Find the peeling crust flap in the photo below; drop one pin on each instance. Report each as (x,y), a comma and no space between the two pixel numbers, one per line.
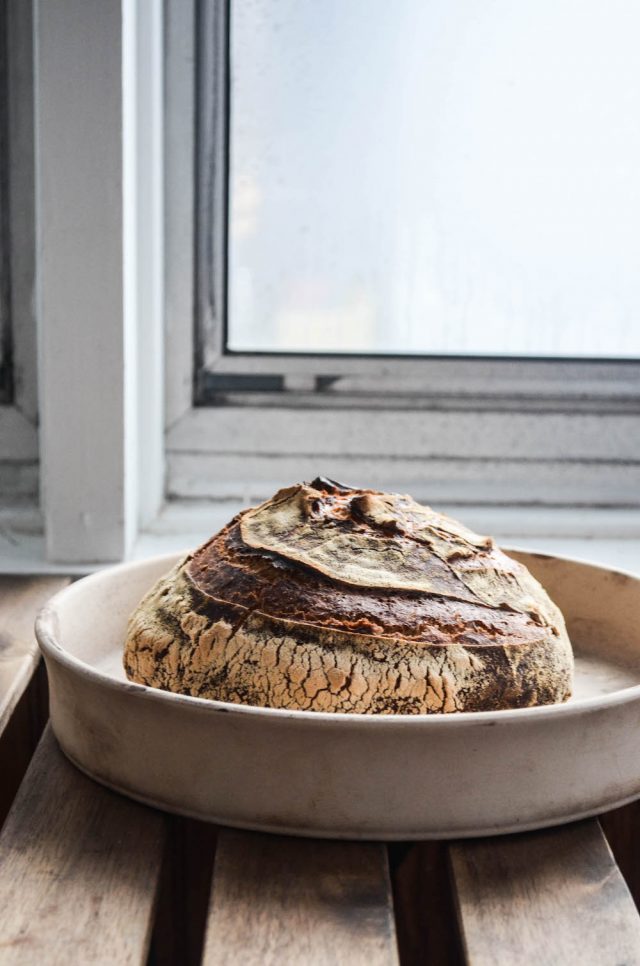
(387,541)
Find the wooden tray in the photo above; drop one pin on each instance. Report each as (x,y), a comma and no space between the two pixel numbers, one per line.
(354,776)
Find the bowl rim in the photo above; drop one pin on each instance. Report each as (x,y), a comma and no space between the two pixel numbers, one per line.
(47,634)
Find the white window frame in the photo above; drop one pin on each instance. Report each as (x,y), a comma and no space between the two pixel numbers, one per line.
(18,418)
(124,450)
(99,89)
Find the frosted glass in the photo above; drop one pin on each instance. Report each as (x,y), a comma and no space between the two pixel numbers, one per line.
(435,177)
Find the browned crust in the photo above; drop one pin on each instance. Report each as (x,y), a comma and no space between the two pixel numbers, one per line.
(224,569)
(246,624)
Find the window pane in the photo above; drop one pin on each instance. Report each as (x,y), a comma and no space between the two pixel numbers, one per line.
(435,177)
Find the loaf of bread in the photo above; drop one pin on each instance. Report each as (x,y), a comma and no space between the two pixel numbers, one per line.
(328,598)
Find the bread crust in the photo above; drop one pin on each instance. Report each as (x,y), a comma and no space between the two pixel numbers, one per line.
(255,617)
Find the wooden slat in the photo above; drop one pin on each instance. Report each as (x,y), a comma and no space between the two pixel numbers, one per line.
(79,867)
(291,901)
(545,898)
(20,600)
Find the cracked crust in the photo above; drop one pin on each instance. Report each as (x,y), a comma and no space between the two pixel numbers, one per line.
(332,599)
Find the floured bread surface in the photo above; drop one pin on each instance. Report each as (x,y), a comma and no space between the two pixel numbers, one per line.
(330,598)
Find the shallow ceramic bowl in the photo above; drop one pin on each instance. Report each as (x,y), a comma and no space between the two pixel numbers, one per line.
(351,775)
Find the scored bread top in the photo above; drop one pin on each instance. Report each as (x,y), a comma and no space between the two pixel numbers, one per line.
(374,564)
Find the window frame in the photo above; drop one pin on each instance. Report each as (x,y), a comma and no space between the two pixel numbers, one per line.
(99,112)
(19,406)
(6,334)
(211,417)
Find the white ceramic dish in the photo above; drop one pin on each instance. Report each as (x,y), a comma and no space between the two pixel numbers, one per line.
(354,776)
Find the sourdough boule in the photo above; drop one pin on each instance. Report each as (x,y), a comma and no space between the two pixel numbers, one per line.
(329,598)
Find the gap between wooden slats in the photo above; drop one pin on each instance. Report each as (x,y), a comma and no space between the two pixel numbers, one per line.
(183,900)
(23,682)
(622,831)
(20,600)
(283,901)
(544,898)
(79,868)
(424,909)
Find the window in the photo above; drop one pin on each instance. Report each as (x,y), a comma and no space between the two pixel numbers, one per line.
(477,343)
(156,250)
(18,403)
(6,373)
